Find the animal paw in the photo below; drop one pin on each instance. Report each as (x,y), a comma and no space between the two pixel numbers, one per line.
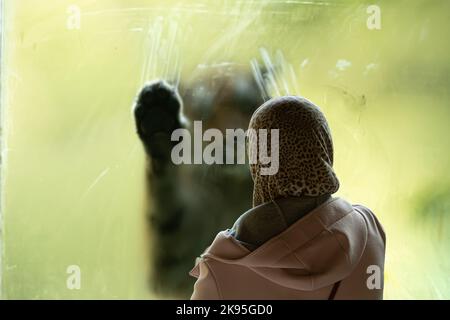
(158,112)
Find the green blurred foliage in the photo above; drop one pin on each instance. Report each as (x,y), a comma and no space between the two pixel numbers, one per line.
(74,170)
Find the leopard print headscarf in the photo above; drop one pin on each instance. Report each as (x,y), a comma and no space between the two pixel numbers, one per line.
(305,151)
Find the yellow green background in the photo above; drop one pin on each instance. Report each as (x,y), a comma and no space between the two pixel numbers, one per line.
(73,168)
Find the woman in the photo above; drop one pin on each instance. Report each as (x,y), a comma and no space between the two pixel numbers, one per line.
(297,242)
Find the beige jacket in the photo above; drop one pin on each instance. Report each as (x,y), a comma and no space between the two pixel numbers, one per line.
(334,252)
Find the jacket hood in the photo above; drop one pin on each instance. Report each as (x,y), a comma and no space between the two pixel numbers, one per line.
(318,250)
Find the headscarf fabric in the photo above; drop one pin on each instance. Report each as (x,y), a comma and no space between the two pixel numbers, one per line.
(305,151)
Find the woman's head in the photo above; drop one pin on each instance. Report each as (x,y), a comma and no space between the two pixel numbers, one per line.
(305,150)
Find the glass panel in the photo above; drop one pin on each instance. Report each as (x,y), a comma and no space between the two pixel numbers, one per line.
(73,169)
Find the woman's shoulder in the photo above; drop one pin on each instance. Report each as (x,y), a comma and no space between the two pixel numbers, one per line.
(371,219)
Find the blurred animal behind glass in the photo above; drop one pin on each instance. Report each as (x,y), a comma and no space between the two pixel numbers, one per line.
(189,204)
